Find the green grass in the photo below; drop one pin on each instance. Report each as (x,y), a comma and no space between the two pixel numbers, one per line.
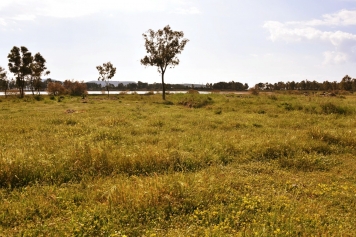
(194,165)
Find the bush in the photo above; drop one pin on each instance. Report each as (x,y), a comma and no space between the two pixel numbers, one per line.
(254,91)
(196,101)
(55,88)
(75,88)
(272,97)
(330,108)
(38,97)
(192,91)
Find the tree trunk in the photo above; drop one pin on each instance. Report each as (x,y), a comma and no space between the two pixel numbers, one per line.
(33,90)
(21,85)
(163,88)
(107,87)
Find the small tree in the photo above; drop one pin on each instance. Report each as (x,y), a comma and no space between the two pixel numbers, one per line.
(4,82)
(162,47)
(75,88)
(55,88)
(106,72)
(20,64)
(38,68)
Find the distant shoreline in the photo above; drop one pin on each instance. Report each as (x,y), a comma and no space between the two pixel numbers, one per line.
(138,92)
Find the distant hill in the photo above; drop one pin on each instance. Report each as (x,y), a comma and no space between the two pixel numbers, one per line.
(115,83)
(195,85)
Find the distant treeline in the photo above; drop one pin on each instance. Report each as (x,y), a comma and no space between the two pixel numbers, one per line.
(347,83)
(236,86)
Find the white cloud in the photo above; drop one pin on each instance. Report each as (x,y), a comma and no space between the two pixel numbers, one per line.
(188,11)
(28,10)
(332,57)
(78,8)
(341,18)
(24,17)
(343,42)
(4,3)
(2,22)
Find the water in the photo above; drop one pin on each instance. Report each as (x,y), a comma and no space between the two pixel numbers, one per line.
(117,92)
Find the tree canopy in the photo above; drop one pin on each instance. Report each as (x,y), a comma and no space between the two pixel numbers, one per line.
(38,68)
(106,72)
(20,64)
(162,47)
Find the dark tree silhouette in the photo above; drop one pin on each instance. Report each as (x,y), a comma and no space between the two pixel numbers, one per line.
(20,65)
(38,69)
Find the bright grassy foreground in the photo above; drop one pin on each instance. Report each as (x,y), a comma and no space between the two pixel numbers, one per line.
(198,165)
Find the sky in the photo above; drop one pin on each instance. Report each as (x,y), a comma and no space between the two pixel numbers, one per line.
(247,41)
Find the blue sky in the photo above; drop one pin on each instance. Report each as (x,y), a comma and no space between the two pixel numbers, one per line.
(248,41)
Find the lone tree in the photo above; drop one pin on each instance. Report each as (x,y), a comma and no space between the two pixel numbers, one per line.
(106,72)
(20,60)
(162,47)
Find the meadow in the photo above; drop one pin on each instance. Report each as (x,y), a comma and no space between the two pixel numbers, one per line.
(195,165)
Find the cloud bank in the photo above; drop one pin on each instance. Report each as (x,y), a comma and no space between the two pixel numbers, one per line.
(17,10)
(344,43)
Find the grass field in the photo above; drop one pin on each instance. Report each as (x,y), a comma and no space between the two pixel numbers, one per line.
(195,165)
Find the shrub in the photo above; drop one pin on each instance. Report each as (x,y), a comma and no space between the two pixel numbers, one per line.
(38,97)
(330,108)
(196,101)
(254,91)
(75,88)
(55,88)
(272,97)
(192,91)
(150,93)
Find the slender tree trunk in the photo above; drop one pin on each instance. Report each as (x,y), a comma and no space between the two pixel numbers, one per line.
(33,90)
(22,85)
(21,90)
(163,87)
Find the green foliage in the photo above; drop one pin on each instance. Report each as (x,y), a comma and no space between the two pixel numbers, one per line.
(106,72)
(331,108)
(163,47)
(38,97)
(193,101)
(20,60)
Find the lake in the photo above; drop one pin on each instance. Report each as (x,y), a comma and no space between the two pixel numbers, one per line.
(118,92)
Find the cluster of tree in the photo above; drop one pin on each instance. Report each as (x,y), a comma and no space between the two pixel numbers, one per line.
(346,83)
(162,48)
(70,87)
(233,86)
(27,69)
